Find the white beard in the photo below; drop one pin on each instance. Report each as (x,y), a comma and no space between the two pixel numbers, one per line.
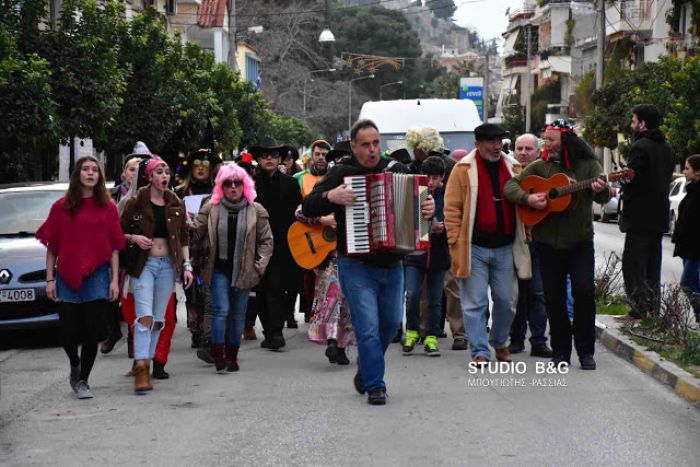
(489,158)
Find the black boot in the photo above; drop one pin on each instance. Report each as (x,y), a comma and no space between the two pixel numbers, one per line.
(196,340)
(159,370)
(332,351)
(342,358)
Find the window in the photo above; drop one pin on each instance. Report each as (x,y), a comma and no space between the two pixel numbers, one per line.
(251,68)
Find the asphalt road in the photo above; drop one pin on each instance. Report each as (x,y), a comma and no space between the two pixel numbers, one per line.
(608,238)
(293,408)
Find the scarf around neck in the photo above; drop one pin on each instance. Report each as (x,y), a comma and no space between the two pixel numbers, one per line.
(225,207)
(487,204)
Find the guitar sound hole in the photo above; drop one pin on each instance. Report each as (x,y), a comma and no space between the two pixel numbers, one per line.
(553,193)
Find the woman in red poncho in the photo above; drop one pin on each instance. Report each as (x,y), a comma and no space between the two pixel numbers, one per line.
(83,236)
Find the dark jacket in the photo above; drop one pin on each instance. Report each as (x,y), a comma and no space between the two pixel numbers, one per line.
(439,259)
(280,196)
(137,218)
(315,205)
(645,197)
(686,236)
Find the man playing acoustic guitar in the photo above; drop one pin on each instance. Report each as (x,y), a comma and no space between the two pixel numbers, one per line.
(565,240)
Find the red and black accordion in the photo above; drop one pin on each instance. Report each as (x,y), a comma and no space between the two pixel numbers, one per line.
(386,214)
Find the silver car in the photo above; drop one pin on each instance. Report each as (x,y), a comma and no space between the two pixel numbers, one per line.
(23,301)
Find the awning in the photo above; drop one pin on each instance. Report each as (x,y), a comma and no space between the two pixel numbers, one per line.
(555,64)
(509,45)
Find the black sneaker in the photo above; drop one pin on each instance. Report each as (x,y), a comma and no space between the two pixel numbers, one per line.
(376,396)
(541,350)
(332,351)
(342,358)
(275,342)
(204,354)
(357,381)
(516,346)
(587,362)
(292,324)
(557,359)
(459,344)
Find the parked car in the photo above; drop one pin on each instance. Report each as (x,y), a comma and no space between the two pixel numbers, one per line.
(23,301)
(675,196)
(611,209)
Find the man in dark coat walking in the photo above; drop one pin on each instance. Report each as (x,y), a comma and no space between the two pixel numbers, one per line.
(280,195)
(644,217)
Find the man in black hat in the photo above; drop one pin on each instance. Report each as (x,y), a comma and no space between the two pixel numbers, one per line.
(280,195)
(339,151)
(487,242)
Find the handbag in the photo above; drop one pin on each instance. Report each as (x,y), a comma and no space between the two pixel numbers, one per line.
(129,255)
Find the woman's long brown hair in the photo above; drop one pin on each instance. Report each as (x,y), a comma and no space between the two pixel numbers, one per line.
(74,195)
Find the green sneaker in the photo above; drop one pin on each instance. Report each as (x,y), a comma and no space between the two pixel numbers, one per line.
(412,338)
(431,347)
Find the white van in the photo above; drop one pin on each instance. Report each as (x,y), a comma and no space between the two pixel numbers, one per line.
(455,119)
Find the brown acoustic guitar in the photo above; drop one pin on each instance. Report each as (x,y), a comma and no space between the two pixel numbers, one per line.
(310,244)
(559,189)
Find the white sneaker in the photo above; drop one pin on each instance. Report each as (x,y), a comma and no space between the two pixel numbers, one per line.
(82,389)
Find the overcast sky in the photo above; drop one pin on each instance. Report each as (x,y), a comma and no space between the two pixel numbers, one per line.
(486,16)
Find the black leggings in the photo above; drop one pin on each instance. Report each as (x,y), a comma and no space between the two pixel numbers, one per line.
(82,324)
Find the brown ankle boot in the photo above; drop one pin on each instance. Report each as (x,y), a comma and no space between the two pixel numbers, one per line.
(232,357)
(142,377)
(217,351)
(249,334)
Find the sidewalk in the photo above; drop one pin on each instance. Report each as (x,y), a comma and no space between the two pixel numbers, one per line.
(683,383)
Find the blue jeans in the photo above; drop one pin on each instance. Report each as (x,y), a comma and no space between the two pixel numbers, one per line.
(152,291)
(435,283)
(375,298)
(490,268)
(690,281)
(530,309)
(227,302)
(94,287)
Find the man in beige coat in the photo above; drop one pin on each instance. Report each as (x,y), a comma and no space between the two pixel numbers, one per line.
(487,242)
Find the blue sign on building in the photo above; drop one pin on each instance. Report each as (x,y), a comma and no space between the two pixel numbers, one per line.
(474,94)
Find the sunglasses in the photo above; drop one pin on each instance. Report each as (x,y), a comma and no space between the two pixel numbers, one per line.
(236,183)
(198,162)
(270,155)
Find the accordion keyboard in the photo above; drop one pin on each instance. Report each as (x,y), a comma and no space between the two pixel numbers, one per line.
(357,217)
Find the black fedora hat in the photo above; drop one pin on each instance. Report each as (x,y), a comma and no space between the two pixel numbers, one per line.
(402,155)
(341,148)
(267,144)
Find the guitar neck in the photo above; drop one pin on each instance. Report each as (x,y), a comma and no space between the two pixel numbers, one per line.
(580,186)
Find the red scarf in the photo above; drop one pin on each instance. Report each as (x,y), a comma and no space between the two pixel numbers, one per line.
(486,218)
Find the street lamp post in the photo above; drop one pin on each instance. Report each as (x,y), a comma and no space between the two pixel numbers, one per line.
(387,84)
(350,98)
(307,79)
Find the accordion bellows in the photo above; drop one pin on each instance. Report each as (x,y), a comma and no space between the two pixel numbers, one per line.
(386,214)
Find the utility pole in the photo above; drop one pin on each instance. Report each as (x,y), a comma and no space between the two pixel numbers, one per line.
(232,62)
(486,89)
(528,81)
(600,58)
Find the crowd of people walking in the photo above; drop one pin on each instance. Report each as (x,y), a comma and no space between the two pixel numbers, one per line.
(217,238)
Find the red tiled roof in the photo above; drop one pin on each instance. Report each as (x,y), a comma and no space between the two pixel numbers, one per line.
(211,13)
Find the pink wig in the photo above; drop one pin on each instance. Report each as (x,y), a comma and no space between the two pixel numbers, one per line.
(233,172)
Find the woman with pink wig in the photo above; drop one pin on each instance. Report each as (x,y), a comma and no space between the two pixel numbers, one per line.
(235,233)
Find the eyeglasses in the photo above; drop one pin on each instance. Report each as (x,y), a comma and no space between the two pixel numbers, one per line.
(198,162)
(270,155)
(236,183)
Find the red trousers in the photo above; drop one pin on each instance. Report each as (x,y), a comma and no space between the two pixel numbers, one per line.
(166,335)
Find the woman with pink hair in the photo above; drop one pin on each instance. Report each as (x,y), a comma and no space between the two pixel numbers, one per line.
(235,234)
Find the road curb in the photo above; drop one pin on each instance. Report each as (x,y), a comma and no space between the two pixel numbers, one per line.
(683,383)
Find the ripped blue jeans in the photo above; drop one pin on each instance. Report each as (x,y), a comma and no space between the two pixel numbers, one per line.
(152,291)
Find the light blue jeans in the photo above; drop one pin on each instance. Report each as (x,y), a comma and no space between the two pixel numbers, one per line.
(228,303)
(490,268)
(152,291)
(375,297)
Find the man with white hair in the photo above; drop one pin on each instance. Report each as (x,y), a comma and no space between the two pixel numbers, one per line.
(531,305)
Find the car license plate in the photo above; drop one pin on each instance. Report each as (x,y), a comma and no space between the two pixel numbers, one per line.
(17,295)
